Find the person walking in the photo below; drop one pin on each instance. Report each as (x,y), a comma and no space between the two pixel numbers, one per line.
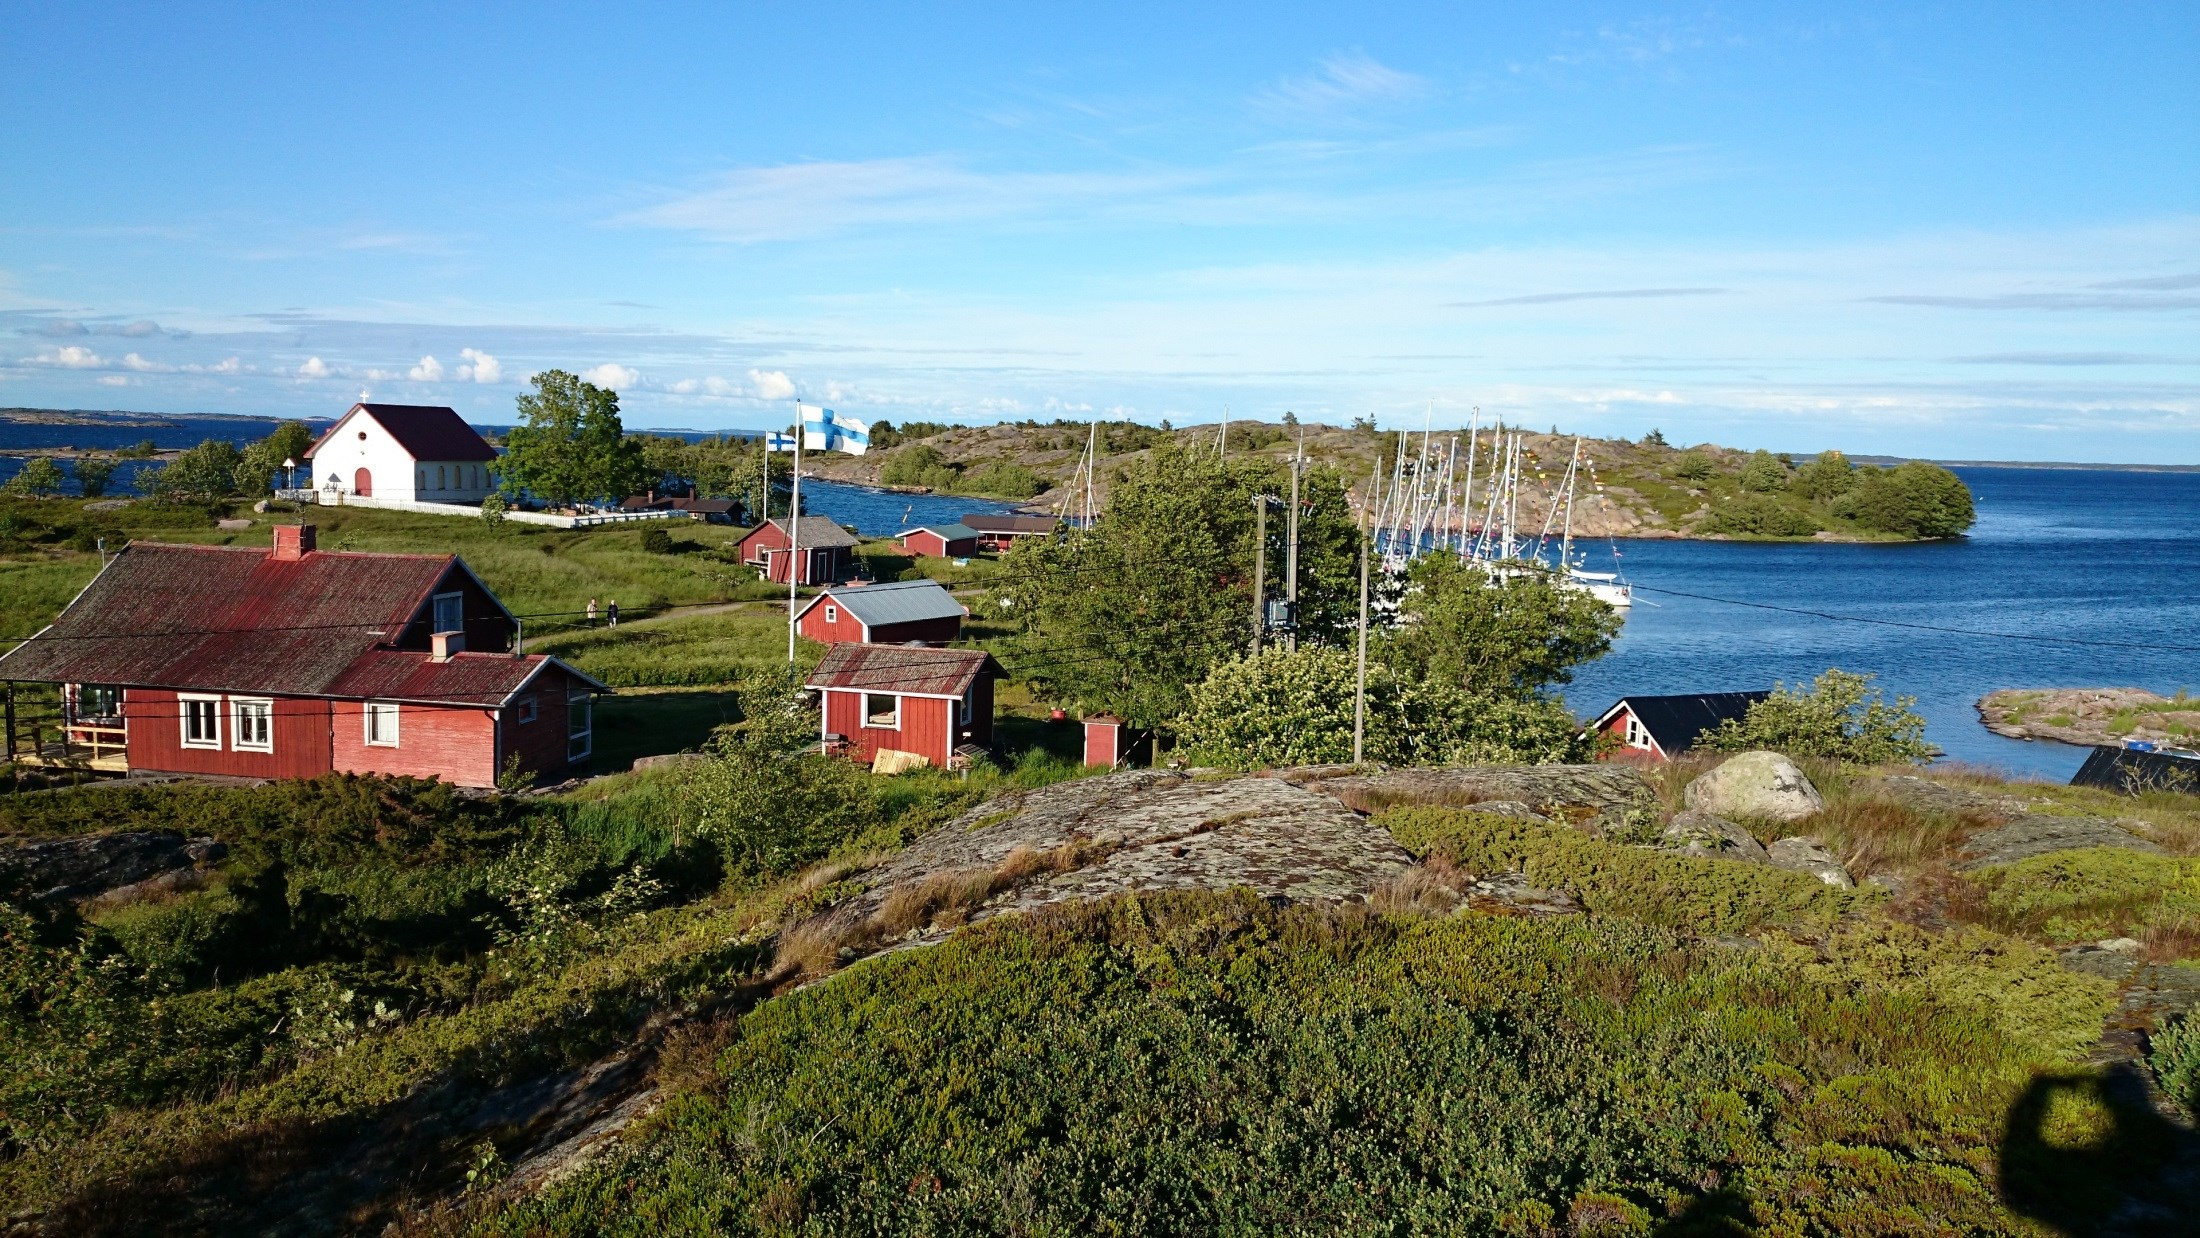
(612,612)
(591,612)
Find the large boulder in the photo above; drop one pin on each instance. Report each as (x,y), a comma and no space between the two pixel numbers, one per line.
(102,866)
(1701,834)
(1755,786)
(1808,855)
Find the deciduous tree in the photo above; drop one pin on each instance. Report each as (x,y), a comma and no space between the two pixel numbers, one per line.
(1509,636)
(570,445)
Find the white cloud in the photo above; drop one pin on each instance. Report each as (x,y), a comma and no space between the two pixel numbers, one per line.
(480,366)
(70,357)
(1347,80)
(611,376)
(227,365)
(314,368)
(771,385)
(114,380)
(135,362)
(429,370)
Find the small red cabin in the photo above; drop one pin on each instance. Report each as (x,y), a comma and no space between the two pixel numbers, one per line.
(935,703)
(826,551)
(943,541)
(1003,532)
(895,613)
(291,662)
(1651,729)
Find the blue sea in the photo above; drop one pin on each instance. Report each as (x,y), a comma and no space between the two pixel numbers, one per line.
(2090,577)
(2111,558)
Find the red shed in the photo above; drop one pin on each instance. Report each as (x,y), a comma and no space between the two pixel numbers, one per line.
(1652,729)
(291,662)
(1003,532)
(826,550)
(944,541)
(897,698)
(895,613)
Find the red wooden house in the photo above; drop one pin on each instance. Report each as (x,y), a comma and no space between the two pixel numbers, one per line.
(291,662)
(1651,729)
(935,703)
(944,541)
(896,613)
(824,547)
(1003,532)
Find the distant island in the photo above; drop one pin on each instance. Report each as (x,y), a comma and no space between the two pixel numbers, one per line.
(89,417)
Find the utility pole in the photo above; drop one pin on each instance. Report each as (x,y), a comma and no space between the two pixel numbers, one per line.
(1359,689)
(1260,569)
(1291,551)
(794,530)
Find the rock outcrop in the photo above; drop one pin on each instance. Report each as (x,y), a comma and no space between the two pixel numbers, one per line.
(1599,798)
(107,867)
(1701,834)
(1804,854)
(2084,715)
(2039,833)
(1755,786)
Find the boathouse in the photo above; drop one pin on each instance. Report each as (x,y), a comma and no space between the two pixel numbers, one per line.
(1002,532)
(827,551)
(944,541)
(1659,728)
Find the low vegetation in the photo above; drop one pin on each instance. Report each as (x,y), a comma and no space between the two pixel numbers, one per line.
(1840,717)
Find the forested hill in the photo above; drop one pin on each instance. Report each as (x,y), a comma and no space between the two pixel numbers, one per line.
(1649,488)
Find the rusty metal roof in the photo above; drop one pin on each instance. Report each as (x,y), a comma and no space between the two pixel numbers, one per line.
(229,619)
(428,432)
(486,679)
(902,668)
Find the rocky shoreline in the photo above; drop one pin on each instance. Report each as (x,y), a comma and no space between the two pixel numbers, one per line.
(2091,717)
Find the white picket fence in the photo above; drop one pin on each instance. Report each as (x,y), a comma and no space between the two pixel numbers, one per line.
(338,498)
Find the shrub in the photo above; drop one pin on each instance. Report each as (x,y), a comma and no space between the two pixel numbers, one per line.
(1914,499)
(1826,477)
(2174,1056)
(1201,1063)
(1001,479)
(1693,465)
(39,478)
(205,472)
(1841,717)
(494,510)
(655,541)
(1757,515)
(1763,473)
(2092,893)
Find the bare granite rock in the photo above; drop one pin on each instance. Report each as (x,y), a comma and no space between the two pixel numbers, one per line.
(1702,834)
(1808,855)
(1599,798)
(1925,795)
(2039,833)
(107,867)
(1755,786)
(2083,715)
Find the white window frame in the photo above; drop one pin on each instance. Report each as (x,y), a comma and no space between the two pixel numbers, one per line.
(237,707)
(435,611)
(368,731)
(893,723)
(832,613)
(1638,735)
(184,702)
(523,709)
(580,740)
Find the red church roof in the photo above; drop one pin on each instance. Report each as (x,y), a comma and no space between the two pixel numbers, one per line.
(426,432)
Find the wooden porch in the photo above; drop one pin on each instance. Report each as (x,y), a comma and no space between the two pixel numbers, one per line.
(50,734)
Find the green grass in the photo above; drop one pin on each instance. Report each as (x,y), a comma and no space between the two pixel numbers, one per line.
(1202,1063)
(642,722)
(2067,897)
(678,650)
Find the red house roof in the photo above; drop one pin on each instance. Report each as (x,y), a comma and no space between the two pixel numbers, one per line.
(239,619)
(425,431)
(902,668)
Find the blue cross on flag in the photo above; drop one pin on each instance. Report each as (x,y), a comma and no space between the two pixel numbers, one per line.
(825,430)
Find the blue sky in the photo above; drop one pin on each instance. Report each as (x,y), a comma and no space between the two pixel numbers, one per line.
(1955,231)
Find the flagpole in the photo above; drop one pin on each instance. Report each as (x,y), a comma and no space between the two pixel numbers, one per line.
(794,530)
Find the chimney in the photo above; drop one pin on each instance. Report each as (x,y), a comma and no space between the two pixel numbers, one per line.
(293,542)
(445,644)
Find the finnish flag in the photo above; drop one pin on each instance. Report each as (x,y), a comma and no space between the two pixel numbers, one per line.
(775,441)
(825,430)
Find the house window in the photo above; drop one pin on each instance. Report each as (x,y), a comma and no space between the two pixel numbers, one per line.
(442,479)
(202,721)
(94,700)
(251,724)
(423,479)
(580,709)
(832,614)
(381,724)
(450,612)
(882,710)
(966,705)
(1638,735)
(523,710)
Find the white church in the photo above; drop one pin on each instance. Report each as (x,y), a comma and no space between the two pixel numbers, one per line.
(419,453)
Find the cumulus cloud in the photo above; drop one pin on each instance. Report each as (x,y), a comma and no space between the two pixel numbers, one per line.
(139,329)
(70,357)
(771,385)
(429,370)
(314,368)
(114,380)
(611,376)
(135,362)
(480,366)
